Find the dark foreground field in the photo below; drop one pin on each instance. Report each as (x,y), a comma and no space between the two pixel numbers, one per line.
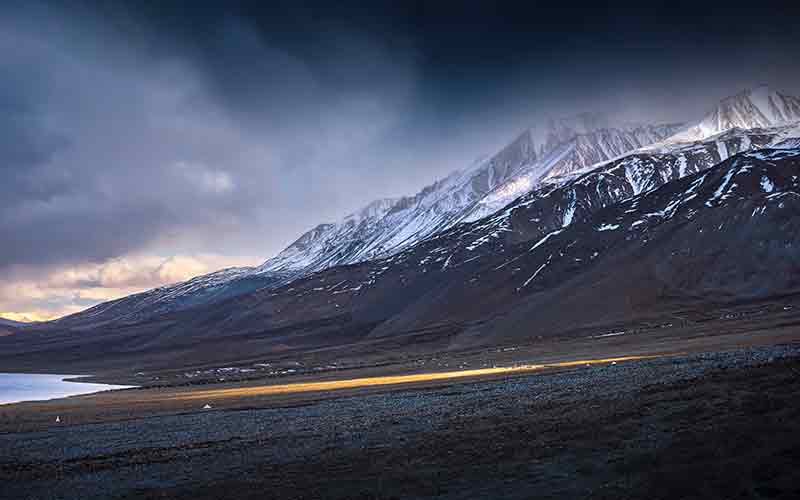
(722,425)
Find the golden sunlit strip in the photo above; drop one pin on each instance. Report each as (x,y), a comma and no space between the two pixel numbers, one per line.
(265,390)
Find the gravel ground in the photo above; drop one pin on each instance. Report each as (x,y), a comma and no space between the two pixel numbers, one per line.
(571,433)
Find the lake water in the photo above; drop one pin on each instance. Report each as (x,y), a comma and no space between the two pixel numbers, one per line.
(16,387)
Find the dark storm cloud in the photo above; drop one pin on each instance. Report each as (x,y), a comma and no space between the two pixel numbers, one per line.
(117,133)
(233,127)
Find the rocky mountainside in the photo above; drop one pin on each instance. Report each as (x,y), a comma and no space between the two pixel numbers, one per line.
(728,233)
(387,226)
(760,107)
(513,251)
(575,197)
(541,158)
(392,225)
(721,236)
(197,291)
(564,154)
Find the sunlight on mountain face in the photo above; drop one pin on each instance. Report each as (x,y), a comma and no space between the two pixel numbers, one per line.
(510,190)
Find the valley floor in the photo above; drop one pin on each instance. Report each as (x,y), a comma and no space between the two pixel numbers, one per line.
(722,424)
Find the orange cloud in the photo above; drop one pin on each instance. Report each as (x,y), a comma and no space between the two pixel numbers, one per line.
(69,290)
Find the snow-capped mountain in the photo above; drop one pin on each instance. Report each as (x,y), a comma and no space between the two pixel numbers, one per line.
(388,226)
(328,244)
(760,107)
(642,240)
(576,195)
(696,243)
(565,156)
(623,162)
(729,231)
(196,291)
(530,220)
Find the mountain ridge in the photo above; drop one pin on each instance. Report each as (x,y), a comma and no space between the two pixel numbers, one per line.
(550,155)
(758,107)
(705,241)
(11,322)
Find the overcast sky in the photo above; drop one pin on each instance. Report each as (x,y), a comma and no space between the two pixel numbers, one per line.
(146,142)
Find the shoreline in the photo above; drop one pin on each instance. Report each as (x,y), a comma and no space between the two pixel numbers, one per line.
(562,433)
(48,387)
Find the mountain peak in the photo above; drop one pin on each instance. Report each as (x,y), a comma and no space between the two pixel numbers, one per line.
(555,131)
(761,99)
(756,107)
(580,123)
(374,210)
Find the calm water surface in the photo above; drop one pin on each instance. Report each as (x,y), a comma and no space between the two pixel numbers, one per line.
(16,387)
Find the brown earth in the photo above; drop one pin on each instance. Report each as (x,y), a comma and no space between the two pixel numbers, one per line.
(711,417)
